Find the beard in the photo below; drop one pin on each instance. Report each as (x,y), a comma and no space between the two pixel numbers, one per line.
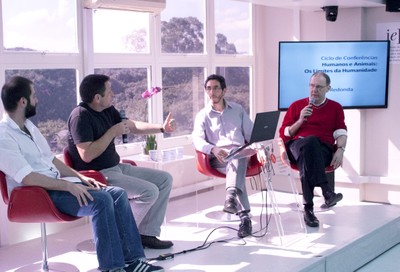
(30,110)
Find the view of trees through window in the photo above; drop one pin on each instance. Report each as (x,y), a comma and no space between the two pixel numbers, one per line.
(56,93)
(182,31)
(183,96)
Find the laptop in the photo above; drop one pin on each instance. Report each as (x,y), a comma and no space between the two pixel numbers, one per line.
(263,130)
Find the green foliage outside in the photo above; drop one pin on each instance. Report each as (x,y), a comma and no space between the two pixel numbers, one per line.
(182,92)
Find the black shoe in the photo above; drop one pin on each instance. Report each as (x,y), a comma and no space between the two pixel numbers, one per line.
(245,228)
(333,199)
(141,265)
(231,205)
(154,242)
(310,219)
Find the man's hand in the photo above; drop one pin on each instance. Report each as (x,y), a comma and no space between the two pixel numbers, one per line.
(81,192)
(169,124)
(121,128)
(306,112)
(91,183)
(337,159)
(219,153)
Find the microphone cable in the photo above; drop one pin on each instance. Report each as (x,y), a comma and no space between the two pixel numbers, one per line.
(263,230)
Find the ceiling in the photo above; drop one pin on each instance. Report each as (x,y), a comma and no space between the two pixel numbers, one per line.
(317,4)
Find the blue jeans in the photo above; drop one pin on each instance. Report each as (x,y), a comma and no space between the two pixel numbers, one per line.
(115,232)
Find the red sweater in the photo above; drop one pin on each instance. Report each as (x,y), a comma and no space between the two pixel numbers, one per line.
(323,121)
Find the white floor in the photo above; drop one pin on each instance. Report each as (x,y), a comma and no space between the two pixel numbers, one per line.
(351,234)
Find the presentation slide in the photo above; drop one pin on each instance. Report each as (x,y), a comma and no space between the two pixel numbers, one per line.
(358,71)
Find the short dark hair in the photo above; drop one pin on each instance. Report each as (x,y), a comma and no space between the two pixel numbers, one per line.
(319,73)
(12,91)
(218,78)
(92,85)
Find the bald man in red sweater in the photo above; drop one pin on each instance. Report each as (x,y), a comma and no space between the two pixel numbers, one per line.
(315,136)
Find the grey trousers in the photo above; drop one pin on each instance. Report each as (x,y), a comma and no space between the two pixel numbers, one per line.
(148,192)
(235,171)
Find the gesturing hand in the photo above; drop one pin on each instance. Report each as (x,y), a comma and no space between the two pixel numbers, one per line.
(169,124)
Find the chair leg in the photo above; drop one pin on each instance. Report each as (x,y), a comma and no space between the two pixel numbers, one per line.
(45,266)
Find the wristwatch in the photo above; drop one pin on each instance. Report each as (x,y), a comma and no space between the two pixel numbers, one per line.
(342,148)
(162,130)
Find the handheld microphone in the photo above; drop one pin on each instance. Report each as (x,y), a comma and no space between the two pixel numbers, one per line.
(123,117)
(310,103)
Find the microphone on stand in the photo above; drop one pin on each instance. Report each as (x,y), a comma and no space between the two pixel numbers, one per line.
(123,117)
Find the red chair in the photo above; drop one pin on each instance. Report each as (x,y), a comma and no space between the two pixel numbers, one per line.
(32,204)
(254,167)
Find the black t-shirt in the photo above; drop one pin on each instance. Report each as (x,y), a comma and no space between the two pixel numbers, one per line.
(88,125)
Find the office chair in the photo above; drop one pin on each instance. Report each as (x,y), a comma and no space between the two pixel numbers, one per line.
(254,168)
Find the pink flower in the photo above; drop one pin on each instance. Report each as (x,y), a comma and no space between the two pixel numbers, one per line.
(147,94)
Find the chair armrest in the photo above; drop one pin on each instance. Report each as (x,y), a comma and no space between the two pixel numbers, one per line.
(95,175)
(129,162)
(204,167)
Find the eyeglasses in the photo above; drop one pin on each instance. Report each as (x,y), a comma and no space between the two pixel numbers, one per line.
(318,87)
(215,88)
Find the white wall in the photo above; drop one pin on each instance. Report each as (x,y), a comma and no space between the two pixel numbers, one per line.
(373,152)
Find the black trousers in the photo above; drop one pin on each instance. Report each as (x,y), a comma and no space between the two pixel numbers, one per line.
(311,157)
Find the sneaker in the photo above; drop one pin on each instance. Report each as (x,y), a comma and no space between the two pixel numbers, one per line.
(333,199)
(143,266)
(310,218)
(155,243)
(231,205)
(245,228)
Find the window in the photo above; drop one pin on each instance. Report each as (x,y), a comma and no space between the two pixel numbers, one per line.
(116,31)
(182,27)
(40,25)
(183,96)
(138,50)
(56,93)
(238,84)
(232,27)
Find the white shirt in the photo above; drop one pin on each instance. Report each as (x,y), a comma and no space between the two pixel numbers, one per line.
(227,129)
(21,153)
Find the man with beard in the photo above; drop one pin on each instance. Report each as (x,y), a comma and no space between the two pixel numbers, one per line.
(27,161)
(220,127)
